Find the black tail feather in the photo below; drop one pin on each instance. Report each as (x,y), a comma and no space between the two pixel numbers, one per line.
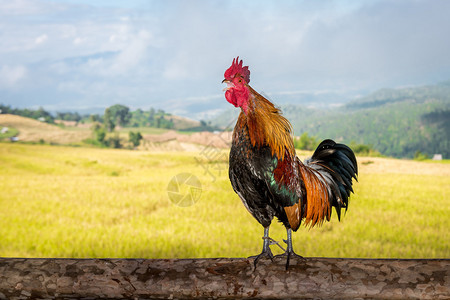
(337,163)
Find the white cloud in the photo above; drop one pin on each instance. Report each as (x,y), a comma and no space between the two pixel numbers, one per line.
(77,41)
(41,39)
(11,75)
(113,38)
(133,54)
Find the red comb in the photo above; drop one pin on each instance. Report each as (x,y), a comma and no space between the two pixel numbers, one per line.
(236,68)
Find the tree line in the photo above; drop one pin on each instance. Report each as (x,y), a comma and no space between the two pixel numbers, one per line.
(120,116)
(37,114)
(104,126)
(115,115)
(307,142)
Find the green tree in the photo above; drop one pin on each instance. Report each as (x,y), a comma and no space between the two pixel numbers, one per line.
(114,141)
(363,149)
(120,114)
(135,138)
(420,156)
(306,142)
(108,120)
(99,133)
(94,118)
(151,113)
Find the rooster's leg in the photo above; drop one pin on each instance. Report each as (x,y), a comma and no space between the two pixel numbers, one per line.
(266,247)
(290,250)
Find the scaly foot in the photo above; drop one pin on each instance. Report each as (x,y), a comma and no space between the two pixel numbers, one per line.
(289,255)
(289,251)
(266,252)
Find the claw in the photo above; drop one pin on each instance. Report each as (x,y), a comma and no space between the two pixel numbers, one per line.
(289,251)
(288,255)
(266,252)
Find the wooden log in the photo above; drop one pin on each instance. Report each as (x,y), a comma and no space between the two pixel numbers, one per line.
(223,278)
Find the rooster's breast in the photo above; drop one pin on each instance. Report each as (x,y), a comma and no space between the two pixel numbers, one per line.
(248,171)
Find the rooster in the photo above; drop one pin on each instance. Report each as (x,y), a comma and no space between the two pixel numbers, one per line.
(268,176)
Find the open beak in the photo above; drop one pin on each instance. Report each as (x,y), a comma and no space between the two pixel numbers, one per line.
(229,84)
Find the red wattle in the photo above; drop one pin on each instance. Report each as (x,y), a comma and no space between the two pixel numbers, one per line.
(231,97)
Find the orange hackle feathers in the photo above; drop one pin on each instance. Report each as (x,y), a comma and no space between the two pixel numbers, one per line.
(267,126)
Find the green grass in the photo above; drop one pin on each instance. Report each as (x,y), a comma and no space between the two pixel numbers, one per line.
(88,202)
(10,133)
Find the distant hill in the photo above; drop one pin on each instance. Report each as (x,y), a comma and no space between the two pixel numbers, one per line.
(396,122)
(138,118)
(183,123)
(31,130)
(419,94)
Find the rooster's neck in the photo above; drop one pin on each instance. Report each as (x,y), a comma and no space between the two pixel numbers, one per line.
(266,126)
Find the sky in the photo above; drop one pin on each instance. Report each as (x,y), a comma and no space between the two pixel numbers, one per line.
(72,55)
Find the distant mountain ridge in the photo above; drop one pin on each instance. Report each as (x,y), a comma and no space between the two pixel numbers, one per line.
(396,122)
(419,94)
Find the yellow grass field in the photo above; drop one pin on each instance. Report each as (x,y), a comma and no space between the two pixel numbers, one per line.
(59,201)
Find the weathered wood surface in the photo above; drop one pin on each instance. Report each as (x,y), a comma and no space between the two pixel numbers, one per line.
(224,278)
